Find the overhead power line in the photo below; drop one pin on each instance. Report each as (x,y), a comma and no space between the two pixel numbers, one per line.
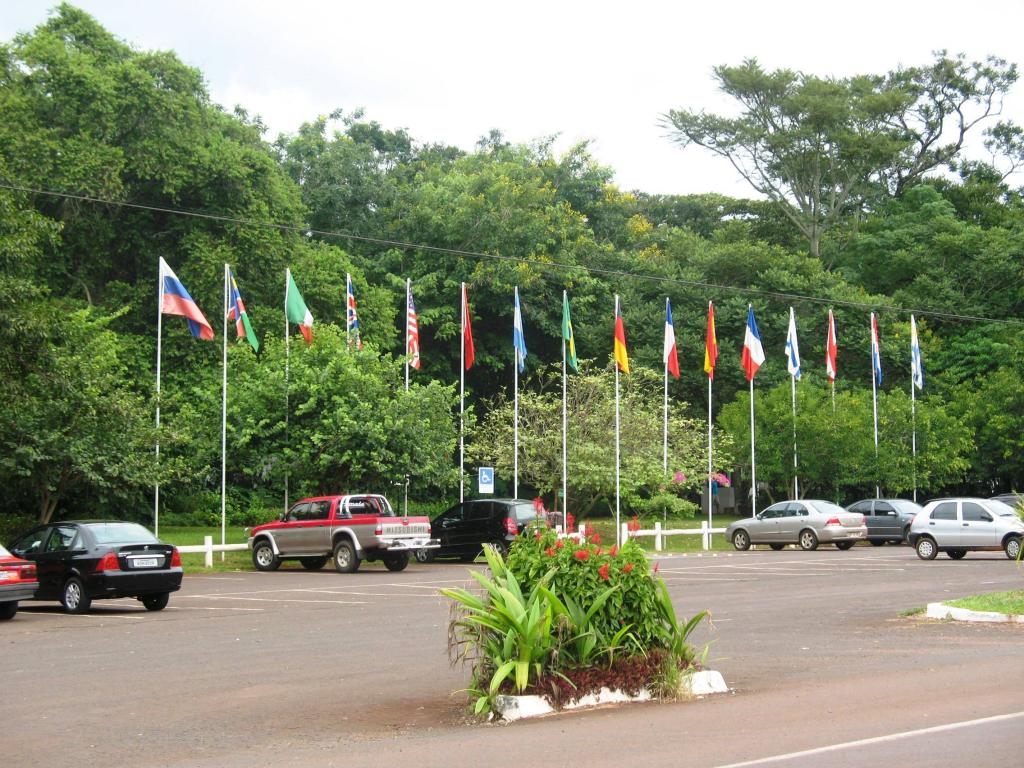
(536,263)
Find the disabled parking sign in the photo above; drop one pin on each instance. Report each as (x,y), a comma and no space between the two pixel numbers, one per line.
(485,480)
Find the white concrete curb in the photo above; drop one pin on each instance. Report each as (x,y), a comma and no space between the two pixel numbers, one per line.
(511,708)
(943,611)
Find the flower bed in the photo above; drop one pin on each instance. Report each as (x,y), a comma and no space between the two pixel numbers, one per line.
(564,620)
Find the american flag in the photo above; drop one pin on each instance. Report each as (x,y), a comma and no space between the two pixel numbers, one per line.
(351,319)
(412,331)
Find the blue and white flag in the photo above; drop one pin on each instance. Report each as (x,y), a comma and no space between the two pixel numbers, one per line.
(792,348)
(916,368)
(876,355)
(517,335)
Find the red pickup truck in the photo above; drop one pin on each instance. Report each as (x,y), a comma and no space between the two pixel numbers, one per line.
(347,529)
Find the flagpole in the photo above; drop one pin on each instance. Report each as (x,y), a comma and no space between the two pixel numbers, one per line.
(618,530)
(710,497)
(224,421)
(515,408)
(874,398)
(796,478)
(664,439)
(462,394)
(408,290)
(913,405)
(159,345)
(565,461)
(287,356)
(753,465)
(348,311)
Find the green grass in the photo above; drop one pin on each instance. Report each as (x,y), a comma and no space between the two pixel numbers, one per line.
(1011,602)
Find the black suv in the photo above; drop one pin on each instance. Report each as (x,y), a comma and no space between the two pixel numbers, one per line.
(465,528)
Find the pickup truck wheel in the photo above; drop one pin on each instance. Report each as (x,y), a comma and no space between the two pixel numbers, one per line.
(345,560)
(263,556)
(396,562)
(313,563)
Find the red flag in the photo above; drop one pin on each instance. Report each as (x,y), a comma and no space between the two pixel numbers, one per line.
(830,348)
(710,344)
(467,330)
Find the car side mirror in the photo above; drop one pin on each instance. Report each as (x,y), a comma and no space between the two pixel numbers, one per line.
(759,515)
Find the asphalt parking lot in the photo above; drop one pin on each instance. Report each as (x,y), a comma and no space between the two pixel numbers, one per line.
(323,669)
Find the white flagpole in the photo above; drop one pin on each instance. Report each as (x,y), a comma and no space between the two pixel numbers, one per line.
(710,497)
(515,408)
(287,355)
(565,454)
(913,410)
(462,393)
(664,439)
(159,344)
(753,466)
(408,291)
(348,319)
(874,395)
(796,477)
(224,422)
(618,529)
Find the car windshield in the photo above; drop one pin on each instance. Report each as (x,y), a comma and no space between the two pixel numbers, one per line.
(121,533)
(906,506)
(1003,510)
(828,508)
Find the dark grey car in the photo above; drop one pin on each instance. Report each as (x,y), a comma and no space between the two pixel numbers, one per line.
(887,519)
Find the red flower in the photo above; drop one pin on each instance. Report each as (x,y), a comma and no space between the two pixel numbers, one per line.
(598,551)
(655,569)
(627,568)
(559,544)
(595,539)
(550,552)
(603,572)
(581,554)
(634,524)
(570,521)
(614,550)
(536,535)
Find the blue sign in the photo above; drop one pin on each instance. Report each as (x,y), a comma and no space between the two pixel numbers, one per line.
(485,480)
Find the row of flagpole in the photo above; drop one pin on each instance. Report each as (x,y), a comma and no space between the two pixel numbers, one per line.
(174,299)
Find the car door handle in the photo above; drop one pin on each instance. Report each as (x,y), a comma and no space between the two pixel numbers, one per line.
(967,525)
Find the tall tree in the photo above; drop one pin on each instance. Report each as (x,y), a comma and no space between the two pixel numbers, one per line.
(823,148)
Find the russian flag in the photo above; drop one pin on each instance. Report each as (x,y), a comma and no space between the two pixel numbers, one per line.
(671,353)
(753,352)
(175,300)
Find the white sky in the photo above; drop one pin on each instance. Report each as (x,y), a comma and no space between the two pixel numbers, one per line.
(451,71)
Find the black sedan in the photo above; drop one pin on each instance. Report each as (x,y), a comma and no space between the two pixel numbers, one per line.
(81,561)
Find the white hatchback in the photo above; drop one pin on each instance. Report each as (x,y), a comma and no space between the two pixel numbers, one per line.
(961,525)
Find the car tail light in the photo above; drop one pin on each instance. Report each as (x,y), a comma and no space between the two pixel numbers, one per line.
(109,563)
(28,572)
(175,558)
(510,526)
(833,521)
(379,530)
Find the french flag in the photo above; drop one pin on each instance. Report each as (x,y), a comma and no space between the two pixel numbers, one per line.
(671,353)
(175,300)
(753,352)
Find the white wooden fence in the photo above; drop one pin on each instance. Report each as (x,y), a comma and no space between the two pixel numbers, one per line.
(208,548)
(659,534)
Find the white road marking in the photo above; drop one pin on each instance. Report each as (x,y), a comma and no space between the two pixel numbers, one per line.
(208,608)
(875,740)
(282,600)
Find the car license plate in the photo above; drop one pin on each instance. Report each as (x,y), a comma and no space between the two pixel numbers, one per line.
(6,575)
(147,562)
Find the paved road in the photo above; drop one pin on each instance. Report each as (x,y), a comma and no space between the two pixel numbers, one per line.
(320,669)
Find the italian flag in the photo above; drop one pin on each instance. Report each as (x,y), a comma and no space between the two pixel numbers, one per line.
(296,310)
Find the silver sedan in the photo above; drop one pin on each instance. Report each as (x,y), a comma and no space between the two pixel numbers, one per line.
(807,522)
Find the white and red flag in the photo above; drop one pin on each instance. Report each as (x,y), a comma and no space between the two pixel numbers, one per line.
(671,353)
(831,348)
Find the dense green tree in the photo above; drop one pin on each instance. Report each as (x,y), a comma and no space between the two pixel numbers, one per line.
(823,149)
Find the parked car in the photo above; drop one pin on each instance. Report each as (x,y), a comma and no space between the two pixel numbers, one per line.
(807,522)
(17,582)
(81,561)
(463,529)
(346,529)
(887,519)
(961,525)
(1014,500)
